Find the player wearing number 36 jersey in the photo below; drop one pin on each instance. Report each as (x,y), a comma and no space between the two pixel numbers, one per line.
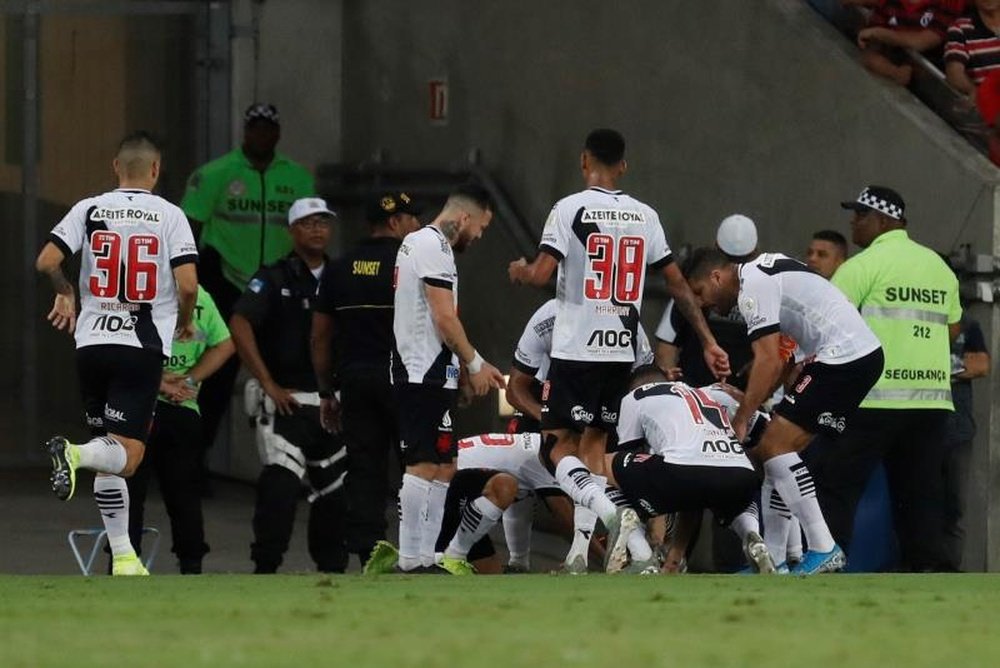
(138,284)
(601,240)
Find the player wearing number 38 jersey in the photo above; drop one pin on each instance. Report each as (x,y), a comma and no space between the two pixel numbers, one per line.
(601,240)
(138,284)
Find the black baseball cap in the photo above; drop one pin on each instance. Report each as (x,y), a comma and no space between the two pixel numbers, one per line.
(259,110)
(878,198)
(381,207)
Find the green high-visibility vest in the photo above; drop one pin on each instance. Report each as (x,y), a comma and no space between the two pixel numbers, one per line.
(908,296)
(245,211)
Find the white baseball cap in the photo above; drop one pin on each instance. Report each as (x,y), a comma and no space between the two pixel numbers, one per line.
(308,206)
(737,235)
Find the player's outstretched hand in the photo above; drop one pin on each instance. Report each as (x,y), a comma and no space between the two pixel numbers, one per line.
(487,378)
(515,269)
(63,313)
(718,361)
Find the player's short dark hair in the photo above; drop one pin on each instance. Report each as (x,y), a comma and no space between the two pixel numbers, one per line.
(474,192)
(607,145)
(139,139)
(834,237)
(702,262)
(647,373)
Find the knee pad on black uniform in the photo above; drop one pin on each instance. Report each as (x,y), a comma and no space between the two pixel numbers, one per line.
(545,452)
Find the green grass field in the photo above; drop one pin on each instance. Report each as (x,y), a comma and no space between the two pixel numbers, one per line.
(538,620)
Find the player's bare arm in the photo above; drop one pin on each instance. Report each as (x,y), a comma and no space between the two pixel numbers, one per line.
(519,394)
(716,358)
(320,350)
(249,352)
(186,277)
(764,373)
(536,273)
(482,374)
(63,313)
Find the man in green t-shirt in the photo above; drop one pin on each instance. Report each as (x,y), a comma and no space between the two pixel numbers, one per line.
(239,203)
(909,298)
(176,442)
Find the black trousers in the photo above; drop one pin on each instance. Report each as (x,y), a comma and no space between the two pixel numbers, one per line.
(279,491)
(957,459)
(216,391)
(910,444)
(371,433)
(173,455)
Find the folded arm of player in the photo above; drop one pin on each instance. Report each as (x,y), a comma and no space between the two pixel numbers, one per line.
(63,313)
(482,374)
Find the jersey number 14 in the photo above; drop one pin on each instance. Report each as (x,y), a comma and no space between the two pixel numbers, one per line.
(139,270)
(616,268)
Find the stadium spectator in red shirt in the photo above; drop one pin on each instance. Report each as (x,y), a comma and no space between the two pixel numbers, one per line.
(973,48)
(896,25)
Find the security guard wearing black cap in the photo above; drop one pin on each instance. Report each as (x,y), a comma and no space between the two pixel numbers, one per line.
(271,325)
(351,344)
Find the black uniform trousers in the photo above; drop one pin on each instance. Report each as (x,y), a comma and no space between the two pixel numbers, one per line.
(173,454)
(910,444)
(368,413)
(279,491)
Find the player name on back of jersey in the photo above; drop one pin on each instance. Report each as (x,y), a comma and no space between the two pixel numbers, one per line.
(125,215)
(613,217)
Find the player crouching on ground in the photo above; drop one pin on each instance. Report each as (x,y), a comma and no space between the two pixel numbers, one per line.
(497,476)
(679,454)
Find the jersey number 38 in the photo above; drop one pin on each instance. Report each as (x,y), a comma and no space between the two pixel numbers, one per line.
(616,268)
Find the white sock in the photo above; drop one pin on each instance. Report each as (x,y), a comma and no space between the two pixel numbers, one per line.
(102,454)
(777,522)
(111,494)
(638,546)
(477,519)
(584,521)
(795,485)
(432,521)
(412,507)
(576,480)
(746,522)
(517,520)
(794,550)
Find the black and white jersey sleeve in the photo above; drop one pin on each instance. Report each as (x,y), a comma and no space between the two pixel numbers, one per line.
(71,231)
(532,355)
(759,303)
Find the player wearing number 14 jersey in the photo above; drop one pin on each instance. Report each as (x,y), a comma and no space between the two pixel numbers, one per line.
(601,240)
(138,284)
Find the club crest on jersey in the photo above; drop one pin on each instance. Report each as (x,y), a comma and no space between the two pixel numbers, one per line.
(613,217)
(236,188)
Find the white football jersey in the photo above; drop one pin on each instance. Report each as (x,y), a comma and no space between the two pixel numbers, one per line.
(516,454)
(424,258)
(685,425)
(130,241)
(780,294)
(603,240)
(534,349)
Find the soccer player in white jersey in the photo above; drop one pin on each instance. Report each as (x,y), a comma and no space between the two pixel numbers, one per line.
(601,240)
(680,454)
(431,344)
(138,284)
(530,369)
(777,294)
(497,473)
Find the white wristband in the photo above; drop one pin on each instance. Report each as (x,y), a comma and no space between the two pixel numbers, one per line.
(476,365)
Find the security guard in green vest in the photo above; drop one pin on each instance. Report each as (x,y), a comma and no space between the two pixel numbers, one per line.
(909,298)
(239,203)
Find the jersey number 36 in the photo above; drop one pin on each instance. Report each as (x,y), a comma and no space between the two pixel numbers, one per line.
(139,270)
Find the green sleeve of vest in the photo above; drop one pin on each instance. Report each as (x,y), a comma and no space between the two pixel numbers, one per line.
(850,279)
(214,326)
(202,190)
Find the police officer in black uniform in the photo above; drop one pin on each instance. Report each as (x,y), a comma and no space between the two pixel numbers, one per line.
(271,326)
(351,344)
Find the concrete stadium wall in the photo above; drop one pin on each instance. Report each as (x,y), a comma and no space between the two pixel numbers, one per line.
(752,107)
